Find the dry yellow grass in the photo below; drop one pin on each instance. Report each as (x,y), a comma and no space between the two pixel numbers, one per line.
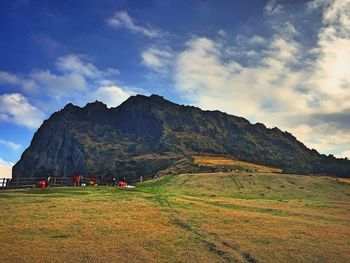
(344,180)
(206,160)
(185,218)
(81,229)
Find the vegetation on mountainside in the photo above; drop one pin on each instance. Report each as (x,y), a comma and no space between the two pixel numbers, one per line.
(216,217)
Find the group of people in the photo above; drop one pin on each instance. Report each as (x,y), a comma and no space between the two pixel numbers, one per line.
(122,182)
(79,180)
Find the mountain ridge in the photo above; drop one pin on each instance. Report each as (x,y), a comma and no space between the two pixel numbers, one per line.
(146,135)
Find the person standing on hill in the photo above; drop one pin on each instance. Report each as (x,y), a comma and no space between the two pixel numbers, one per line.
(82,181)
(103,180)
(75,179)
(48,178)
(79,179)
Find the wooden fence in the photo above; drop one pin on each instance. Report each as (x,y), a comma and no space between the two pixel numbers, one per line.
(21,183)
(6,183)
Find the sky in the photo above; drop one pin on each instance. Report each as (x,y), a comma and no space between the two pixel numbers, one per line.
(284,63)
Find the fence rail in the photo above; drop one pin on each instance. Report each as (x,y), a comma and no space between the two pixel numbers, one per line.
(6,183)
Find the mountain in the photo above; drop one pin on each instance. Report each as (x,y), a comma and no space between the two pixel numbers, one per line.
(149,135)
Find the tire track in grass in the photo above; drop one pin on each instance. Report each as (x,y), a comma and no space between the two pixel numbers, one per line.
(235,181)
(228,253)
(211,246)
(213,243)
(267,211)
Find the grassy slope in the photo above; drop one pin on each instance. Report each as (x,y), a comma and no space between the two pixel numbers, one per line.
(206,160)
(184,218)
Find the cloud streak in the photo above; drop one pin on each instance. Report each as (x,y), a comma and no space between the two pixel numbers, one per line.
(273,8)
(12,145)
(157,59)
(121,19)
(8,78)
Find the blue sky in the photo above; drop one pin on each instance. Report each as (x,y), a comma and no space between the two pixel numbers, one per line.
(283,63)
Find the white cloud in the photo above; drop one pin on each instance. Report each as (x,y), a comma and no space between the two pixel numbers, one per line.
(257,40)
(12,79)
(273,8)
(15,108)
(5,169)
(121,19)
(75,77)
(222,33)
(156,58)
(208,80)
(345,154)
(284,84)
(72,78)
(72,63)
(331,73)
(12,145)
(112,95)
(59,85)
(322,136)
(335,13)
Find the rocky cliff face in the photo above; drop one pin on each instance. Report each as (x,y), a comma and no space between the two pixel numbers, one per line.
(145,135)
(53,149)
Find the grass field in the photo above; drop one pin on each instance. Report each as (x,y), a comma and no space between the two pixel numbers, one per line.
(206,160)
(218,217)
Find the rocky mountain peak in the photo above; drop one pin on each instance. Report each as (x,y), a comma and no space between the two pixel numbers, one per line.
(146,134)
(97,105)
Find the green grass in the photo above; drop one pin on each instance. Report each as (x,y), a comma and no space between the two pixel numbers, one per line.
(218,217)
